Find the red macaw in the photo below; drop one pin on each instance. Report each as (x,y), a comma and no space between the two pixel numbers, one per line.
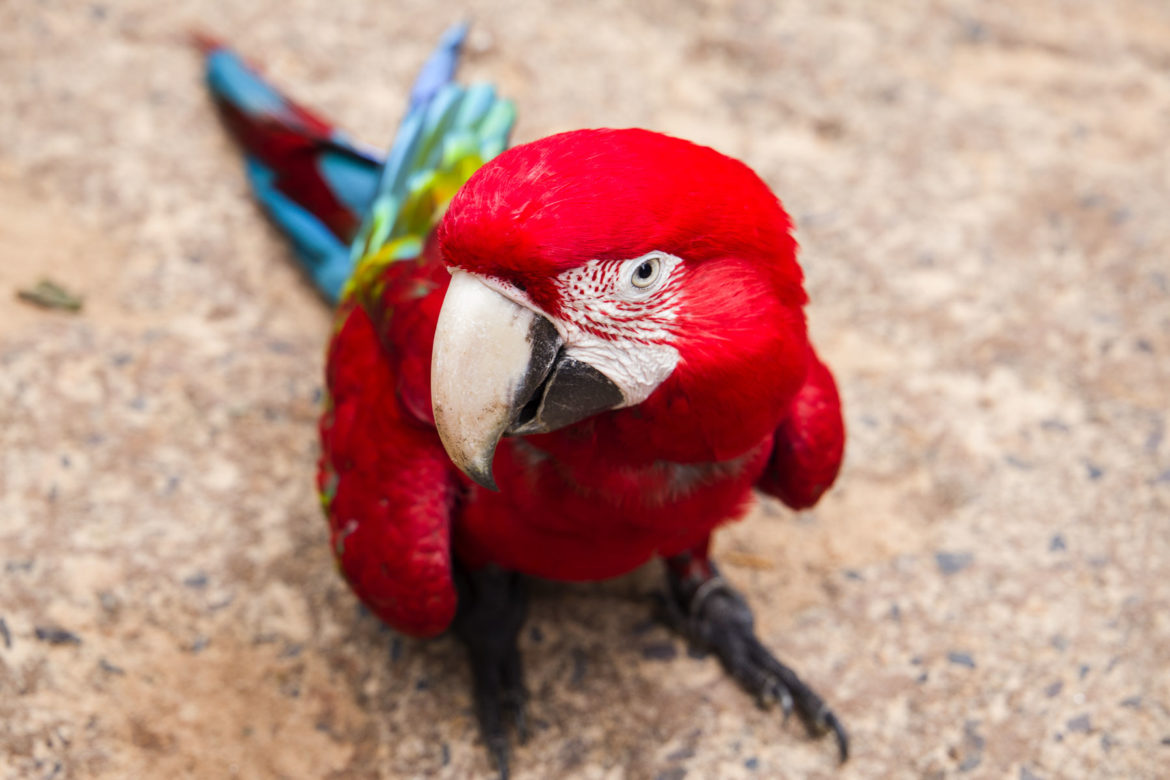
(586,358)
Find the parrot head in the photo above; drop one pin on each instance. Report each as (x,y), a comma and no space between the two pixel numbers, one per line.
(621,272)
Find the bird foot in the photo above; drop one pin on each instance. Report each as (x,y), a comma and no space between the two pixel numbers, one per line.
(715,617)
(500,699)
(492,605)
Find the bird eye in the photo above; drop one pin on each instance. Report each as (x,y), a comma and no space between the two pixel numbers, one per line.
(646,273)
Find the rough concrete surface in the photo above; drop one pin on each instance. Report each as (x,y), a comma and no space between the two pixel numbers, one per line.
(982,197)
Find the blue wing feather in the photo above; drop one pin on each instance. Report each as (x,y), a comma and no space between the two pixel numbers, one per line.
(323,256)
(439,69)
(353,178)
(236,83)
(446,129)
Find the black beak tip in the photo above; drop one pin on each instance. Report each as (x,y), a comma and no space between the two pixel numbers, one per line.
(483,477)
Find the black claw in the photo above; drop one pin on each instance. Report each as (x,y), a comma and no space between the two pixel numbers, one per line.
(499,750)
(712,614)
(786,705)
(831,722)
(520,723)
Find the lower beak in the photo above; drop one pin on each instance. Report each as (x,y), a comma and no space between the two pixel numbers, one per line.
(498,368)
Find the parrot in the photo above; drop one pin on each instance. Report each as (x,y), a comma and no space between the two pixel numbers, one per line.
(560,360)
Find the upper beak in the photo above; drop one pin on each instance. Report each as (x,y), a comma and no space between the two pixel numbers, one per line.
(497,368)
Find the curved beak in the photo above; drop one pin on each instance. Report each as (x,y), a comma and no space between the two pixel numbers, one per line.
(498,368)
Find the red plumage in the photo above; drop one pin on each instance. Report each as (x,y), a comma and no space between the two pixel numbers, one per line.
(658,275)
(748,403)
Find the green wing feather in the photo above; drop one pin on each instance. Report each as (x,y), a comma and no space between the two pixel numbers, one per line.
(439,146)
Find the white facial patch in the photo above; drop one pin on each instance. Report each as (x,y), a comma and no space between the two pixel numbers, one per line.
(618,316)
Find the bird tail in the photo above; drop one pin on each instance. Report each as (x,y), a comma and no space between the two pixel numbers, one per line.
(313,181)
(340,203)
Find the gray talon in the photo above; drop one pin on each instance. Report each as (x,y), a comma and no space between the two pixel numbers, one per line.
(786,704)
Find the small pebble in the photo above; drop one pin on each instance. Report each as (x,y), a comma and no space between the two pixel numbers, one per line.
(1081,724)
(1027,774)
(974,31)
(952,563)
(1154,440)
(1095,472)
(961,659)
(57,636)
(395,648)
(973,743)
(752,763)
(535,634)
(196,580)
(1133,702)
(216,606)
(1054,689)
(109,601)
(580,664)
(106,666)
(1057,544)
(7,637)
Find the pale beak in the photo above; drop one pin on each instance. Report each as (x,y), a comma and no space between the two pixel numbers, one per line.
(498,368)
(490,356)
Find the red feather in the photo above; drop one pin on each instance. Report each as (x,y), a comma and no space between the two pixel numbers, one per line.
(390,489)
(748,402)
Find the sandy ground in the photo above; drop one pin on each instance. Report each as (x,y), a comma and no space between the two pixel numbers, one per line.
(982,199)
